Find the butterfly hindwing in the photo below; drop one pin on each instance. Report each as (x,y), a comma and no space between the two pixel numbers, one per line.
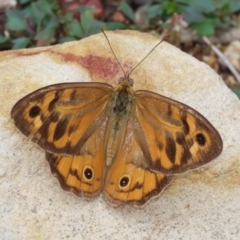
(130,180)
(82,174)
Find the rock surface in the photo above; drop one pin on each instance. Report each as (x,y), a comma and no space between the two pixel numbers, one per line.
(201,204)
(4,4)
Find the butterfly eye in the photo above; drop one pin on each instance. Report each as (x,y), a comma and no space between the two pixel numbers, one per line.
(200,138)
(131,82)
(120,80)
(34,111)
(124,181)
(88,173)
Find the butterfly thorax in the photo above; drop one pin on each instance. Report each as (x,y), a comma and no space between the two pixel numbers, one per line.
(121,108)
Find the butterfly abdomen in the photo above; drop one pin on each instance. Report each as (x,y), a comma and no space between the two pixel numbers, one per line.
(115,138)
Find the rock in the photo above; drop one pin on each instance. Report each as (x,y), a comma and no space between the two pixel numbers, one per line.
(203,203)
(230,35)
(4,4)
(232,52)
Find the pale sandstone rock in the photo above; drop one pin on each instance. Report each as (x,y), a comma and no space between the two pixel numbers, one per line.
(201,204)
(232,52)
(4,4)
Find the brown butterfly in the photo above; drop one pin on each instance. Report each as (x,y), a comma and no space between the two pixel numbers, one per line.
(126,144)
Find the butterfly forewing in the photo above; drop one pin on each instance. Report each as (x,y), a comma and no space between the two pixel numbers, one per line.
(173,136)
(61,117)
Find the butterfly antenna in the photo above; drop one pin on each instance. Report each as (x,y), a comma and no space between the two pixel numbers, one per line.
(146,56)
(113,52)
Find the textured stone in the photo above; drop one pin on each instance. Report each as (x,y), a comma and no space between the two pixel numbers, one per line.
(4,4)
(201,204)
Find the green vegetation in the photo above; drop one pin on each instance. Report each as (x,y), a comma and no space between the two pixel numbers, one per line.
(43,22)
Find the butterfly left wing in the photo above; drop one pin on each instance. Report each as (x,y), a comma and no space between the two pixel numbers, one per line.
(129,179)
(162,137)
(173,137)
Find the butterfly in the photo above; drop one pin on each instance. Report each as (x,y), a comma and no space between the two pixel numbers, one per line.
(126,144)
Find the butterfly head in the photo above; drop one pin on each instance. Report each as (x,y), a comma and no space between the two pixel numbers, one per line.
(125,84)
(126,80)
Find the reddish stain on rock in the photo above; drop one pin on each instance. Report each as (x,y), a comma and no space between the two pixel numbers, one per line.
(103,67)
(100,66)
(68,57)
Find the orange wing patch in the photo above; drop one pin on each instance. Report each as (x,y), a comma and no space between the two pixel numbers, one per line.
(82,174)
(174,136)
(61,117)
(129,179)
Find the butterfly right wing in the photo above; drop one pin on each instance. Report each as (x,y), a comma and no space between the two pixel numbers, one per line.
(83,174)
(60,118)
(69,121)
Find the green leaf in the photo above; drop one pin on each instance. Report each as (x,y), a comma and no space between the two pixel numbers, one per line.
(154,11)
(41,9)
(127,10)
(3,39)
(24,1)
(44,6)
(16,24)
(205,28)
(47,34)
(52,22)
(169,7)
(66,18)
(234,6)
(86,21)
(192,15)
(27,12)
(203,6)
(15,20)
(85,8)
(75,30)
(236,91)
(20,42)
(66,39)
(10,13)
(115,25)
(96,27)
(37,12)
